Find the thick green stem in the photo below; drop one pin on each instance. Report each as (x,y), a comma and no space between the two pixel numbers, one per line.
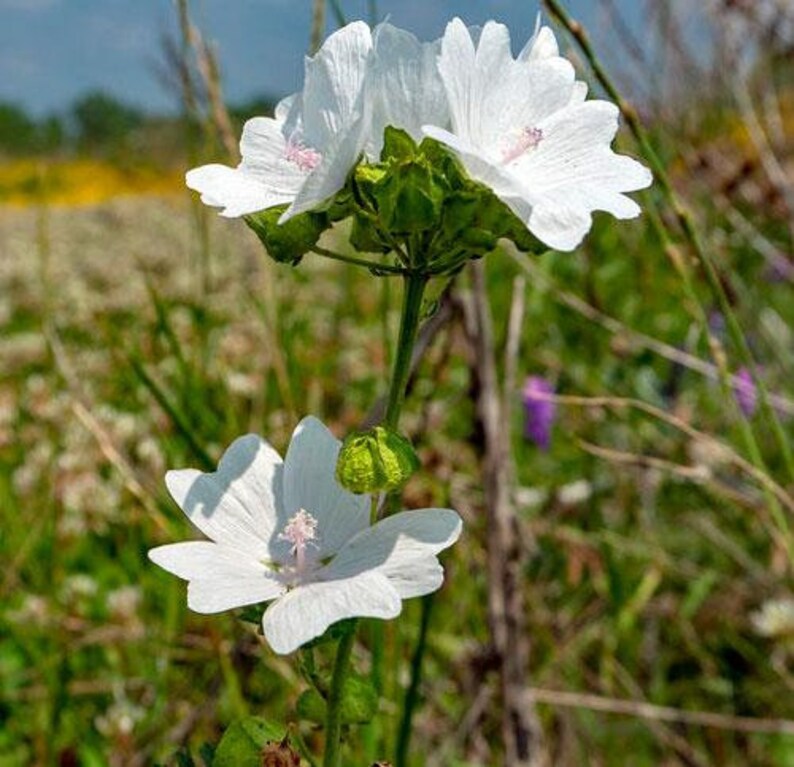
(409,323)
(412,694)
(333,721)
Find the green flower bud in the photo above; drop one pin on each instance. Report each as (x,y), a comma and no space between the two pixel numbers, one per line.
(375,460)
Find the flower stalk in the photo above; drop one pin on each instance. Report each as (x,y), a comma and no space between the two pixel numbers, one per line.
(414,287)
(415,283)
(333,722)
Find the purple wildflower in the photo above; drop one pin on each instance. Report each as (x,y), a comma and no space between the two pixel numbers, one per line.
(716,323)
(539,411)
(744,391)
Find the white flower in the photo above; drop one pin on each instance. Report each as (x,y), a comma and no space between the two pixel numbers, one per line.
(775,618)
(288,532)
(356,85)
(404,86)
(522,127)
(303,155)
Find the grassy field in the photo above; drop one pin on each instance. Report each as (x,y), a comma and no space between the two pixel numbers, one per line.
(140,332)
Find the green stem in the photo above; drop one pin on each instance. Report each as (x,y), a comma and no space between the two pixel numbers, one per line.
(415,283)
(373,265)
(412,694)
(333,722)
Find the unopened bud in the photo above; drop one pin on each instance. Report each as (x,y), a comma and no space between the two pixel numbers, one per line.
(376,460)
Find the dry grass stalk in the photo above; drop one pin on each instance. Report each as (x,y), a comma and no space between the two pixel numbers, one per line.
(653,712)
(523,739)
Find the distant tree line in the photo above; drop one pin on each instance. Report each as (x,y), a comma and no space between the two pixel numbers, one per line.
(97,123)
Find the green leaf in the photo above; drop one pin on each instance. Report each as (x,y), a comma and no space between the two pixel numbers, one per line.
(359,703)
(243,741)
(287,243)
(397,145)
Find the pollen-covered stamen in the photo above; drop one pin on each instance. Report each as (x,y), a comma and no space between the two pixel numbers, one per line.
(306,158)
(527,139)
(300,531)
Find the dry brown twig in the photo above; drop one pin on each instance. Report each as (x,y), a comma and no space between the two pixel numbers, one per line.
(523,741)
(653,712)
(82,409)
(725,451)
(635,338)
(209,72)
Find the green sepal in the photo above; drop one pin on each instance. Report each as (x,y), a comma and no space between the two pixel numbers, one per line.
(409,198)
(478,242)
(365,237)
(363,181)
(444,162)
(359,703)
(376,460)
(287,243)
(397,145)
(243,741)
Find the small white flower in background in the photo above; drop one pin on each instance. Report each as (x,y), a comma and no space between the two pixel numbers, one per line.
(303,155)
(288,532)
(775,619)
(522,127)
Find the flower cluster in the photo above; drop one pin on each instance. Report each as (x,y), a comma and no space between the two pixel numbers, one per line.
(521,126)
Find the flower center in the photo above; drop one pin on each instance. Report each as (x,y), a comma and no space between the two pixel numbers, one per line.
(527,139)
(300,531)
(306,158)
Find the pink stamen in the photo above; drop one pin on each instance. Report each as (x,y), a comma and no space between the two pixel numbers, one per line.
(528,139)
(300,531)
(306,158)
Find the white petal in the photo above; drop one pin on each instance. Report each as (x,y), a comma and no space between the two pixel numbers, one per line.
(403,548)
(310,484)
(220,578)
(238,504)
(331,174)
(492,96)
(284,107)
(477,163)
(405,86)
(332,97)
(560,227)
(573,171)
(230,189)
(456,64)
(542,45)
(527,94)
(307,611)
(579,93)
(263,148)
(482,83)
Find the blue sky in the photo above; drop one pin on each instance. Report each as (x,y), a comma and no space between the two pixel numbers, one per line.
(53,50)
